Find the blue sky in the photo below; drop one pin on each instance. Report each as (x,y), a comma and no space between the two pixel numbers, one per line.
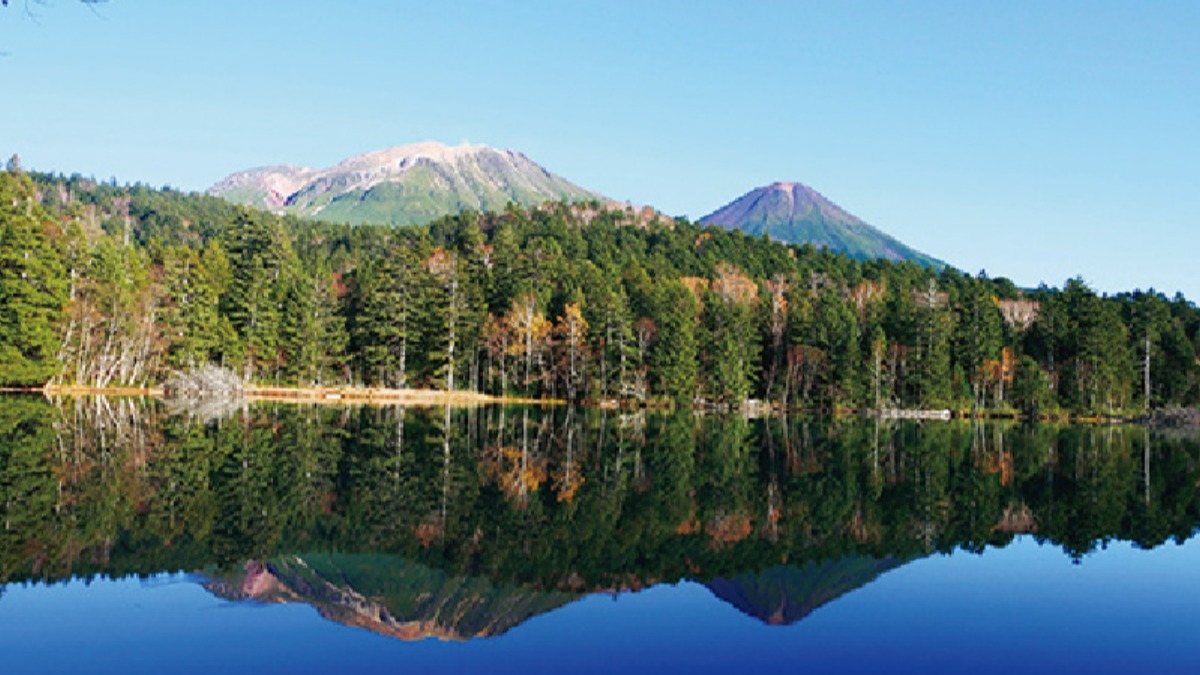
(1035,140)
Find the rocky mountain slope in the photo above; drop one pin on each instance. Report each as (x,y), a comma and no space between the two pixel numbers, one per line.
(798,214)
(404,185)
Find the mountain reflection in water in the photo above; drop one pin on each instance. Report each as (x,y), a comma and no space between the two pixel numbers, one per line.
(391,596)
(466,523)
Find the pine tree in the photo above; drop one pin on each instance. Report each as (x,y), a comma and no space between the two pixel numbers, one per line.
(506,267)
(834,332)
(474,258)
(386,318)
(1151,326)
(33,286)
(312,333)
(978,335)
(1031,387)
(730,353)
(191,320)
(616,347)
(1096,372)
(933,347)
(674,359)
(447,313)
(259,255)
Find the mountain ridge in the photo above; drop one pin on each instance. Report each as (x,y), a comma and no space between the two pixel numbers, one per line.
(420,182)
(402,185)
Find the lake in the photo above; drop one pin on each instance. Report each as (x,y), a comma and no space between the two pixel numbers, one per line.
(267,538)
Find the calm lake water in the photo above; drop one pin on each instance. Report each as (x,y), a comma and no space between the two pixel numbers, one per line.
(137,539)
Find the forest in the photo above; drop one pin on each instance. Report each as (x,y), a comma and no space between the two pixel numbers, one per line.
(559,496)
(105,285)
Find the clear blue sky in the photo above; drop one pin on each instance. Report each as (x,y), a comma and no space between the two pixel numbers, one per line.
(1036,140)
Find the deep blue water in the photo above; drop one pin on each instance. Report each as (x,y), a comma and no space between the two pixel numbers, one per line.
(1024,608)
(287,539)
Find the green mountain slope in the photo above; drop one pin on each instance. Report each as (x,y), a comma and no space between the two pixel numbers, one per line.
(406,185)
(798,214)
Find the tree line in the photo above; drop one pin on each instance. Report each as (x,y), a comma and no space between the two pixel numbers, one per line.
(560,497)
(105,285)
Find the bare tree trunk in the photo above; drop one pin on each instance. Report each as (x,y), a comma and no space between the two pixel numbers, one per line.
(453,324)
(1146,371)
(1146,467)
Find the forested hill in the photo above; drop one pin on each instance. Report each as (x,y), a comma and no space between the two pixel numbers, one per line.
(107,285)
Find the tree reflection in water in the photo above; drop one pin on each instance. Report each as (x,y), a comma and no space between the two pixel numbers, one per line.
(459,523)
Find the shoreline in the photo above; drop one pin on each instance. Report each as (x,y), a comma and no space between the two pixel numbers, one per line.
(316,395)
(437,397)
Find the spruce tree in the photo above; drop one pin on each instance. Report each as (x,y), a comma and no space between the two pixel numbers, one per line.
(674,359)
(33,286)
(259,254)
(385,323)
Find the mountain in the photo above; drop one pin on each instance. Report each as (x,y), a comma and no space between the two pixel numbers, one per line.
(389,595)
(798,214)
(406,185)
(784,595)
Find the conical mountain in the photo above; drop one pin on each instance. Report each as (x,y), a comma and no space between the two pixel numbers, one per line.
(406,185)
(797,214)
(784,595)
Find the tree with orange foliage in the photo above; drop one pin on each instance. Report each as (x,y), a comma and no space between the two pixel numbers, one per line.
(530,329)
(570,333)
(497,341)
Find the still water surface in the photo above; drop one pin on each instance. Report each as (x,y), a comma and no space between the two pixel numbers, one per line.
(305,539)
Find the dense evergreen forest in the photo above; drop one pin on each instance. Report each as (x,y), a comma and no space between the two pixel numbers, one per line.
(106,285)
(561,497)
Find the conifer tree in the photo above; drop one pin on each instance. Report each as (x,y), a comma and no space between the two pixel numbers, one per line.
(674,359)
(617,351)
(33,285)
(191,319)
(385,318)
(978,334)
(312,333)
(834,332)
(933,332)
(259,255)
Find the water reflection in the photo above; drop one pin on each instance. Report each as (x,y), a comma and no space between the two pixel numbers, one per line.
(455,524)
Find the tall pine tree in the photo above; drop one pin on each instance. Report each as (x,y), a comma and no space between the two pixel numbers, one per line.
(33,285)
